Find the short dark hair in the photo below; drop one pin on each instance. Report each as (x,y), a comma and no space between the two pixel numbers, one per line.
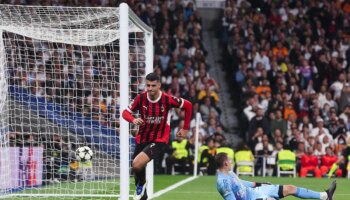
(220,159)
(152,77)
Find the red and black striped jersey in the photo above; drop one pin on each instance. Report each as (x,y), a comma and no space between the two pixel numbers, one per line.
(156,116)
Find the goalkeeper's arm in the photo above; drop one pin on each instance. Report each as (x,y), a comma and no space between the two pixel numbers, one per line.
(335,166)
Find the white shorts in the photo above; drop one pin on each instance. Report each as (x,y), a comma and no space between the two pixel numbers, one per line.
(266,192)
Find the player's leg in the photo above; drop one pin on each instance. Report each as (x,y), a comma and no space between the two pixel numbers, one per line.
(318,173)
(303,171)
(140,160)
(281,191)
(149,152)
(304,193)
(139,168)
(324,169)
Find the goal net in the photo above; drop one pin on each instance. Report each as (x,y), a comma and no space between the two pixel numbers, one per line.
(61,89)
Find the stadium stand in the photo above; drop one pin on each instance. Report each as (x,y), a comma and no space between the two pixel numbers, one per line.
(290,61)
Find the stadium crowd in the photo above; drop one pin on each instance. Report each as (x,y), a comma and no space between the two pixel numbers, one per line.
(288,63)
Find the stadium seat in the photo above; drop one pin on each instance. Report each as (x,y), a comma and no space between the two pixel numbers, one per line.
(245,164)
(281,170)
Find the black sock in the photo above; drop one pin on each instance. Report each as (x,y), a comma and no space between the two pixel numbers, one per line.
(140,177)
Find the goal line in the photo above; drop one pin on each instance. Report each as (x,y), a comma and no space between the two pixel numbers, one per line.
(173,187)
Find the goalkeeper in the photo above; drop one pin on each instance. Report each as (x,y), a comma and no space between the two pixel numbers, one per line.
(344,158)
(232,188)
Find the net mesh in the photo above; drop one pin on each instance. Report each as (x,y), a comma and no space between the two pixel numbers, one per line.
(69,25)
(59,85)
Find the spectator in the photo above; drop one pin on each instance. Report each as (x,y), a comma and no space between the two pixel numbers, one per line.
(243,153)
(309,163)
(294,139)
(319,130)
(207,157)
(338,86)
(305,122)
(286,154)
(259,121)
(207,92)
(179,154)
(264,153)
(289,111)
(327,160)
(251,108)
(319,149)
(277,137)
(279,123)
(225,148)
(310,142)
(207,108)
(260,145)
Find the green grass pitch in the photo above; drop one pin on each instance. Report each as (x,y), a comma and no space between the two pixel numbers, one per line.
(202,188)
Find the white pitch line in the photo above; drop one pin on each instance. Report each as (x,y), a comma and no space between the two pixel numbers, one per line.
(172,187)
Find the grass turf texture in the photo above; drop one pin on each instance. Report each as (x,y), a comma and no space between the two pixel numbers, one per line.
(202,188)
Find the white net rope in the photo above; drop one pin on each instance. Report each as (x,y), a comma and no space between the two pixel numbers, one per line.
(69,25)
(59,77)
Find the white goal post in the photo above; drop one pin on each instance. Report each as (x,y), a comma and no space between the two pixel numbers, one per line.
(66,73)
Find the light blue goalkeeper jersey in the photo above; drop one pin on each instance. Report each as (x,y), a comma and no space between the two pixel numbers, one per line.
(232,188)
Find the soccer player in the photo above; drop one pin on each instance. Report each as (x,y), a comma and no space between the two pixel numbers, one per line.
(232,188)
(154,108)
(344,158)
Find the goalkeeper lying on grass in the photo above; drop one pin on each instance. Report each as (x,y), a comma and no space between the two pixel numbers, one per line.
(232,188)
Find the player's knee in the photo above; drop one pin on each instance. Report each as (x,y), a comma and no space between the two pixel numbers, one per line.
(136,167)
(289,190)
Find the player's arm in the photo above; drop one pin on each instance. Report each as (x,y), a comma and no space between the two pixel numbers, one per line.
(187,107)
(335,165)
(128,112)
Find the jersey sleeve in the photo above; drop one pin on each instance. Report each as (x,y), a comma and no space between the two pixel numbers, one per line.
(176,102)
(134,104)
(186,106)
(225,190)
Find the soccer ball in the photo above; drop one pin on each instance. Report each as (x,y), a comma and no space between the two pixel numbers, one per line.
(83,154)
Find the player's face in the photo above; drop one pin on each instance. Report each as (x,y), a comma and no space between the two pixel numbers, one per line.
(153,88)
(228,163)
